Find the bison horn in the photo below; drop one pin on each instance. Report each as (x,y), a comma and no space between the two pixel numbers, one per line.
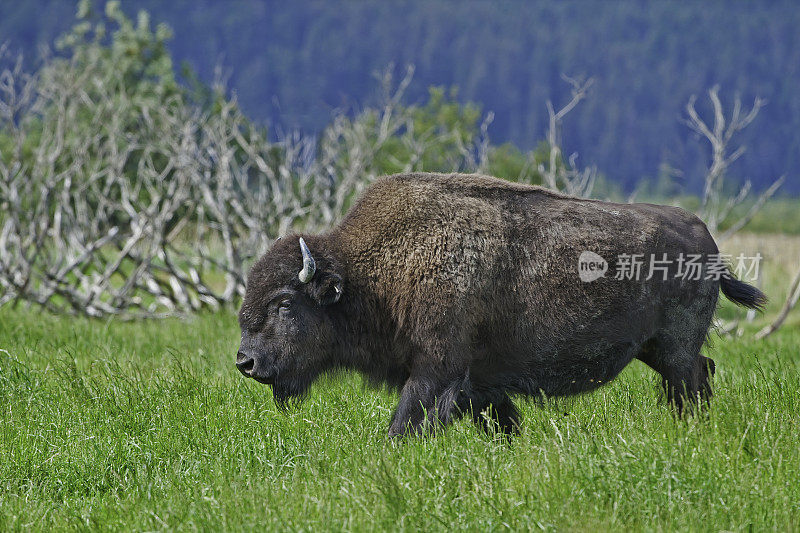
(309,266)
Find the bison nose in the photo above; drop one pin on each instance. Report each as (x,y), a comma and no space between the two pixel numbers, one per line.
(245,363)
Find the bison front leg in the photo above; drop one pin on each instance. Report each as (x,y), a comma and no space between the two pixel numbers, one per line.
(425,404)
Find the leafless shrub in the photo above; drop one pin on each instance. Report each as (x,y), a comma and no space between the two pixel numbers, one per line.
(716,207)
(78,235)
(209,191)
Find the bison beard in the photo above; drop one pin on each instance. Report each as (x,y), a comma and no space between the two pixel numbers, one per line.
(460,291)
(289,393)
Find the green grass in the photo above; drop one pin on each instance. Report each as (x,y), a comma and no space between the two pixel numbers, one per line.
(148,425)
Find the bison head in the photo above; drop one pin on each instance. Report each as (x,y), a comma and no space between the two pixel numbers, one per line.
(289,333)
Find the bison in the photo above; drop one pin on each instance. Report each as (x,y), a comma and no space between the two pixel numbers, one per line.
(462,291)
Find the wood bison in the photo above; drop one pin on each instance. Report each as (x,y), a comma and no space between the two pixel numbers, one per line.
(461,291)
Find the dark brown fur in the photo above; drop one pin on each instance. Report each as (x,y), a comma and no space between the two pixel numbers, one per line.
(461,290)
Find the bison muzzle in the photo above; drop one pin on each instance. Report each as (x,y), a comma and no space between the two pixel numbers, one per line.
(461,291)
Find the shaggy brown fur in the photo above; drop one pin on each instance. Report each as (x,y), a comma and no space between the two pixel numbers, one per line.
(461,290)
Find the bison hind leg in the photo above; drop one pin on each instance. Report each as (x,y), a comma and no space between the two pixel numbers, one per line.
(685,373)
(497,416)
(706,372)
(690,389)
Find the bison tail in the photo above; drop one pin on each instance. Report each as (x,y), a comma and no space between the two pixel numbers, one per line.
(741,293)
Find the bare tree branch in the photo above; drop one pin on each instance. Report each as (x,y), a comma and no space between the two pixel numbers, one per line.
(558,174)
(792,298)
(715,207)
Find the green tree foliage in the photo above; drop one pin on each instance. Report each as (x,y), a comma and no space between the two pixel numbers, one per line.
(142,64)
(442,126)
(109,74)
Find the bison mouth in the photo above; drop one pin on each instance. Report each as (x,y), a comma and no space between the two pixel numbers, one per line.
(265,380)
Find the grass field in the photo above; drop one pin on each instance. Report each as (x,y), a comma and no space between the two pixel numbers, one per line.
(148,426)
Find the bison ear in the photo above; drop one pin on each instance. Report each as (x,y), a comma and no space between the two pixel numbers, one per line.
(328,288)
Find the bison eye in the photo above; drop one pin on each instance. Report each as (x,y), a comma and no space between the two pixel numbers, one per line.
(284,306)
